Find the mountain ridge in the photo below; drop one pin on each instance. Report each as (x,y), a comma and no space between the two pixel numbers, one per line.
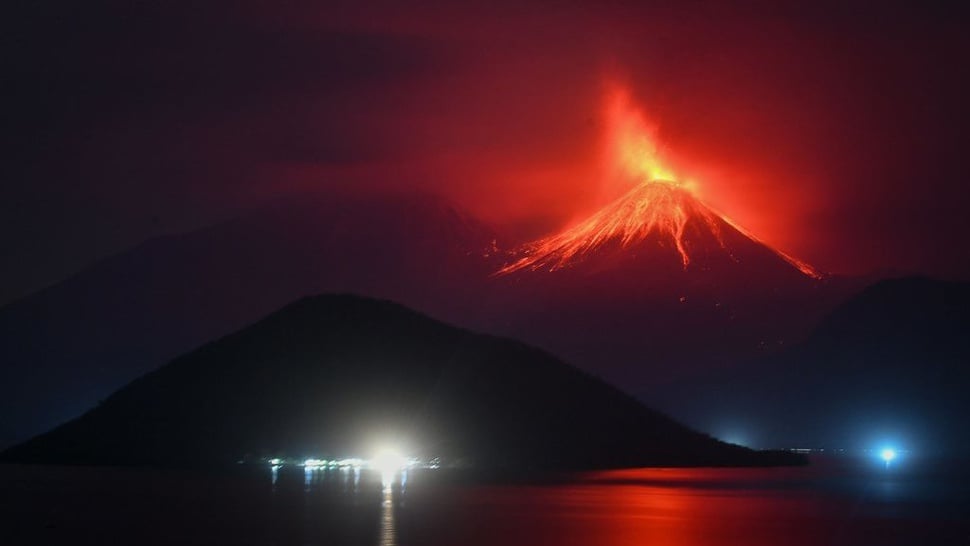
(326,374)
(63,349)
(70,344)
(887,364)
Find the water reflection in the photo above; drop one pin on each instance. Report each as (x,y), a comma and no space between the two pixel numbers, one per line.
(363,498)
(392,477)
(685,507)
(388,533)
(815,506)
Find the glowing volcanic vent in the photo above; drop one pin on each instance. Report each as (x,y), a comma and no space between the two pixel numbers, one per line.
(659,209)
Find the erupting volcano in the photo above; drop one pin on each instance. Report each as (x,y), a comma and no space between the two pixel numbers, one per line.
(656,272)
(657,213)
(660,215)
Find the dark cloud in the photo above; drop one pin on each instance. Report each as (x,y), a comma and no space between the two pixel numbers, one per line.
(126,119)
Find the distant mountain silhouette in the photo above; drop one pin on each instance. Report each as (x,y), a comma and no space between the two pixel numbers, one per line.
(890,364)
(328,375)
(633,314)
(64,348)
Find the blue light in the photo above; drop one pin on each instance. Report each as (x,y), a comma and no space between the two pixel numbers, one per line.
(888,455)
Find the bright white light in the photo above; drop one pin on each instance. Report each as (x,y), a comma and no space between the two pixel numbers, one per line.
(388,461)
(888,455)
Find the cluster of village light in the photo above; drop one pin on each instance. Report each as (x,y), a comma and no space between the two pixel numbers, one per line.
(387,461)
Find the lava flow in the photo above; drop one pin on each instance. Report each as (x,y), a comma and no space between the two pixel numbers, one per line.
(653,207)
(659,205)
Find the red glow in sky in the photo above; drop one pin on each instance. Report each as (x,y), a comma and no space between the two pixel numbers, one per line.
(634,148)
(833,130)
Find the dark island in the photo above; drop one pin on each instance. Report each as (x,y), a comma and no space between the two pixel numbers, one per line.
(337,375)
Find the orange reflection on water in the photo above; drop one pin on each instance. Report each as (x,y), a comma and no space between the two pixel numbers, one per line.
(688,507)
(677,507)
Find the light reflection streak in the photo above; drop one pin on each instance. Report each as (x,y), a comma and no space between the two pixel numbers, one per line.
(318,480)
(388,531)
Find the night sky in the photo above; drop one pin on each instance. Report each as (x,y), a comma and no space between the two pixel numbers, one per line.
(834,131)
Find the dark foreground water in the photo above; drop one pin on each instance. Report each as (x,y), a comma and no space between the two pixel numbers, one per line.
(831,502)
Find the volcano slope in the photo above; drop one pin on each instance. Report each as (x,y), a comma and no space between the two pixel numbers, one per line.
(328,375)
(657,214)
(657,279)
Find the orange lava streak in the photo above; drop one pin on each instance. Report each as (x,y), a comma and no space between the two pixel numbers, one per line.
(660,207)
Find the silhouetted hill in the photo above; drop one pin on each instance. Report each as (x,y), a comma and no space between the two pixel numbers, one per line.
(66,347)
(636,316)
(890,364)
(331,375)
